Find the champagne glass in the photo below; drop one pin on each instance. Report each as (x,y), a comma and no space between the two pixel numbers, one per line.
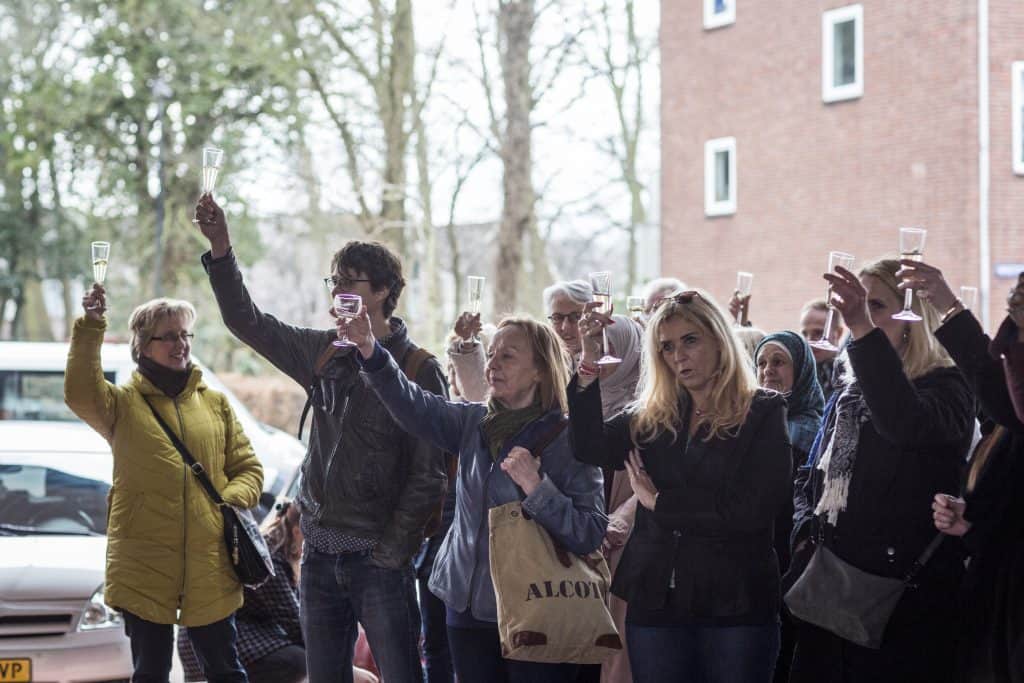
(911,249)
(601,283)
(744,283)
(969,296)
(475,285)
(212,159)
(635,305)
(100,258)
(346,306)
(835,259)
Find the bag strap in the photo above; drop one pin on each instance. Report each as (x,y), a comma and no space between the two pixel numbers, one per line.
(414,360)
(196,467)
(321,362)
(921,561)
(548,437)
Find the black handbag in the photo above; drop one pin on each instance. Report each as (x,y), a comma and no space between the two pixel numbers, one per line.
(247,549)
(850,602)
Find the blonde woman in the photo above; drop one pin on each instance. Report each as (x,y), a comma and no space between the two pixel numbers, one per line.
(167,561)
(526,375)
(897,433)
(708,457)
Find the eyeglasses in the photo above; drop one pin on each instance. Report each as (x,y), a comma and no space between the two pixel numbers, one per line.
(184,337)
(559,318)
(333,281)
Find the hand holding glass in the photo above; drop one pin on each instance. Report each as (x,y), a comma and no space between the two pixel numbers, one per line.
(100,258)
(601,284)
(835,259)
(911,249)
(744,283)
(346,306)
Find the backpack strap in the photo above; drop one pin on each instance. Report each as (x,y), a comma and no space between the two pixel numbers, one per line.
(414,359)
(321,362)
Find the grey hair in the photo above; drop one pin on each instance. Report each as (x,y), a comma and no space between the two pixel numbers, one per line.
(667,285)
(147,316)
(578,291)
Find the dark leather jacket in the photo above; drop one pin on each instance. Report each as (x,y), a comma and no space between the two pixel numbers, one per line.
(363,474)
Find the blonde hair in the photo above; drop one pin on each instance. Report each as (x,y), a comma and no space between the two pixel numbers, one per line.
(922,352)
(551,359)
(147,316)
(656,408)
(278,529)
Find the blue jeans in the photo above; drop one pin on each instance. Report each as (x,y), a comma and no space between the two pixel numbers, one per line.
(338,592)
(152,646)
(436,657)
(703,654)
(476,655)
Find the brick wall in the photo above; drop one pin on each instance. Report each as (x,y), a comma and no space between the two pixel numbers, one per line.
(813,176)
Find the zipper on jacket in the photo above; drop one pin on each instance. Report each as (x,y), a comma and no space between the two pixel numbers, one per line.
(334,452)
(675,550)
(184,516)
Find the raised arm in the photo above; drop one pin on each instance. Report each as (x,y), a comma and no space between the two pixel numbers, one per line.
(89,395)
(293,350)
(594,441)
(938,408)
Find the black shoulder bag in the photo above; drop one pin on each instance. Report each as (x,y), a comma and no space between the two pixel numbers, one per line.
(247,550)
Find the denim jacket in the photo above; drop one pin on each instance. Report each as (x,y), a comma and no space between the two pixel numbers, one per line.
(568,503)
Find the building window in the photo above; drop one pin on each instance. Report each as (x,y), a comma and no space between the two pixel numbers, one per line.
(720,177)
(842,53)
(719,13)
(1018,117)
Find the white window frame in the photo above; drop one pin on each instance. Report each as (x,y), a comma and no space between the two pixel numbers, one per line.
(713,20)
(1017,74)
(712,206)
(830,92)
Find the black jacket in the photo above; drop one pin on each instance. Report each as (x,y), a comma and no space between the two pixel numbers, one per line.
(992,604)
(362,474)
(704,555)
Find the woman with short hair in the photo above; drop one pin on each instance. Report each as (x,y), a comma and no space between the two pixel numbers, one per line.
(167,562)
(526,373)
(897,433)
(708,457)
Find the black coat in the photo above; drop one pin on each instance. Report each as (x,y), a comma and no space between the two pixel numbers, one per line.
(992,599)
(912,448)
(704,555)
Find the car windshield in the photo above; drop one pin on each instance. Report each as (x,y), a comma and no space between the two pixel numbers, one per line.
(35,395)
(42,500)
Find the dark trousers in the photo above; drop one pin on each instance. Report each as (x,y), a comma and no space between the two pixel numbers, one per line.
(703,654)
(338,592)
(153,645)
(436,657)
(476,655)
(286,665)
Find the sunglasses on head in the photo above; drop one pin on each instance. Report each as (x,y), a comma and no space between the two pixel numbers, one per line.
(680,298)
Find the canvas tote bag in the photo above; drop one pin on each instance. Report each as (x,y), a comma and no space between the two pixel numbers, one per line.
(552,604)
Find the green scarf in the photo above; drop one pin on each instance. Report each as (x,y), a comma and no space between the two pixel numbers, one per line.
(501,423)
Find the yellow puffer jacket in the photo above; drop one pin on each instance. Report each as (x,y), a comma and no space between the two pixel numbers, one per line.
(165,547)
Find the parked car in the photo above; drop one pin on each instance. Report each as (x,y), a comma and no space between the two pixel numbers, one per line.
(54,625)
(32,389)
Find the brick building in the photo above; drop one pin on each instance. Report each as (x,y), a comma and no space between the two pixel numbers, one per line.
(794,127)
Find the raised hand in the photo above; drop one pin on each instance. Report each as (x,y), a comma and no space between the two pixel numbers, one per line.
(95,302)
(214,226)
(522,468)
(468,326)
(358,331)
(850,298)
(927,282)
(591,328)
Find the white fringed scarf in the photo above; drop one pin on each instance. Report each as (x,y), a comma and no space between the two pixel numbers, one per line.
(838,460)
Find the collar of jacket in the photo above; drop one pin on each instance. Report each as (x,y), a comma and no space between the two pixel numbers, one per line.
(147,388)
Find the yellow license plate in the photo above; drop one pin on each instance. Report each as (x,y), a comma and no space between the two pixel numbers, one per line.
(15,671)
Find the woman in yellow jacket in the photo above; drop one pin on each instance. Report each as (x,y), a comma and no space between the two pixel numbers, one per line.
(166,558)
